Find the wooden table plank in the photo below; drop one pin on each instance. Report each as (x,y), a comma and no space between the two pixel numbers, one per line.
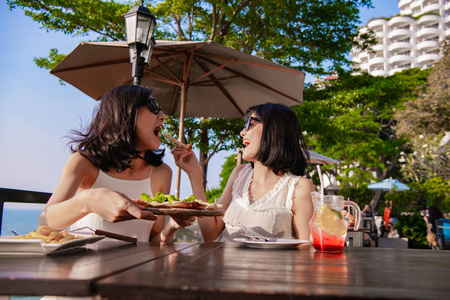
(72,273)
(224,271)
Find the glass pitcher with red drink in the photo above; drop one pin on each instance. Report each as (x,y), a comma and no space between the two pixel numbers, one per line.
(328,225)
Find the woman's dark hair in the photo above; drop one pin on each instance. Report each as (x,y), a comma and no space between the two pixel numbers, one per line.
(434,213)
(110,141)
(282,147)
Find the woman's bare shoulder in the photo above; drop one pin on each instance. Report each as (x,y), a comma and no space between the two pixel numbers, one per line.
(78,161)
(79,166)
(304,188)
(239,168)
(163,170)
(235,173)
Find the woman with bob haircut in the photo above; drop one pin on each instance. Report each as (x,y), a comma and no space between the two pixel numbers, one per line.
(114,160)
(268,197)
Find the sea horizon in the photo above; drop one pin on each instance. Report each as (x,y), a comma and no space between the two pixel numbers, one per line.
(20,217)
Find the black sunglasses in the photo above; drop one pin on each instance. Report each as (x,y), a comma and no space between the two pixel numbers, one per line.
(247,124)
(154,106)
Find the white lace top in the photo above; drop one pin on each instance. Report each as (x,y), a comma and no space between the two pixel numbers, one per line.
(269,216)
(139,229)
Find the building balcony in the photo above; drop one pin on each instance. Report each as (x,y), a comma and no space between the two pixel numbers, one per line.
(379,73)
(400,59)
(400,46)
(379,47)
(356,60)
(428,58)
(404,4)
(399,34)
(428,32)
(377,61)
(415,5)
(447,5)
(376,24)
(400,21)
(432,8)
(364,67)
(364,54)
(428,45)
(429,20)
(380,35)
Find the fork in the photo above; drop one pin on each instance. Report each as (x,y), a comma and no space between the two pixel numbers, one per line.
(259,238)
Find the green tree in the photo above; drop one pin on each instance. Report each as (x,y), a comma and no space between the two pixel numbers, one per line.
(427,158)
(429,114)
(425,120)
(353,121)
(307,35)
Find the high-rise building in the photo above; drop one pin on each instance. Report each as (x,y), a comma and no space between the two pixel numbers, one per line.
(410,39)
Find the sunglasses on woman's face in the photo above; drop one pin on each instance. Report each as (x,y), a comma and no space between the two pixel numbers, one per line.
(154,106)
(248,123)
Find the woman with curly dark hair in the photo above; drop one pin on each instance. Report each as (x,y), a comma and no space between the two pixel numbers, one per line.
(115,160)
(270,196)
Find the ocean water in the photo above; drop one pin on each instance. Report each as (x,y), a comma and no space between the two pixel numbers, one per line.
(20,217)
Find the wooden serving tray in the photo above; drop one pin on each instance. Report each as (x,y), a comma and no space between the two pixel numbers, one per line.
(185,211)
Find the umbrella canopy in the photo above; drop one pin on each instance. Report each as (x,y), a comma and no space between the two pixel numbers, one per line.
(189,79)
(388,184)
(219,81)
(319,159)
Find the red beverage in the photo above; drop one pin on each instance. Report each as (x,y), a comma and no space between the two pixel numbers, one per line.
(323,241)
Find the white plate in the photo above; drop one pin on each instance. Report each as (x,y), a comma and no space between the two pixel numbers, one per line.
(279,244)
(11,246)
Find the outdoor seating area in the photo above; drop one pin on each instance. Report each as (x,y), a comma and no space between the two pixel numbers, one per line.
(190,150)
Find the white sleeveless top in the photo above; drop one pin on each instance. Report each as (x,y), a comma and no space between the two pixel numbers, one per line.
(139,229)
(269,216)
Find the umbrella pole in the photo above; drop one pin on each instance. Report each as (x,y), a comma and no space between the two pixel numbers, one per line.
(180,135)
(321,180)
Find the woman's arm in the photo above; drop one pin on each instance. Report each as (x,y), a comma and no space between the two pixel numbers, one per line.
(211,227)
(65,206)
(303,208)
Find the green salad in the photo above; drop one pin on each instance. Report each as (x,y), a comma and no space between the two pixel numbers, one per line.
(161,197)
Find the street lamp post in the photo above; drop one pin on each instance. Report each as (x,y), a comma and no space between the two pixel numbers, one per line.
(140,24)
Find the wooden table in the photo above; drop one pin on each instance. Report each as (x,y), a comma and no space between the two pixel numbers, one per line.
(229,271)
(72,273)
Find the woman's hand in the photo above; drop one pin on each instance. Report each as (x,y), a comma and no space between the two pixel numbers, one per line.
(114,206)
(185,159)
(181,222)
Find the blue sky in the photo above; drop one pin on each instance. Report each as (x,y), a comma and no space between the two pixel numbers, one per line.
(36,112)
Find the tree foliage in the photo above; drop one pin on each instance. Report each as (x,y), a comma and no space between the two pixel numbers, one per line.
(353,121)
(429,113)
(303,34)
(427,158)
(425,120)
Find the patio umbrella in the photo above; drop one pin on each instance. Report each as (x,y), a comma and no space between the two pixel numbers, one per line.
(388,185)
(319,159)
(189,79)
